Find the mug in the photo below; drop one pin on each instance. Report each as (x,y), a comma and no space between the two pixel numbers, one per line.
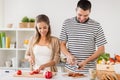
(92,74)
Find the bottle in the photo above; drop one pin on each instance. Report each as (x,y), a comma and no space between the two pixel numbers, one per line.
(7,42)
(0,41)
(3,36)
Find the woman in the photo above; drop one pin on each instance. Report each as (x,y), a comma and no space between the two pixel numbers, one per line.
(44,50)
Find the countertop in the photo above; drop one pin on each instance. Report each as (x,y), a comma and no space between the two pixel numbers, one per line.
(59,76)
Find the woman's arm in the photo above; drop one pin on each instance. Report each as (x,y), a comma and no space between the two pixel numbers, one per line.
(29,54)
(28,51)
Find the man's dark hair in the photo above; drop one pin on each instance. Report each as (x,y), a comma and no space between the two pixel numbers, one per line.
(84,4)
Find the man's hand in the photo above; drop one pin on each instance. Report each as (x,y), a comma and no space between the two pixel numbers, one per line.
(71,59)
(82,65)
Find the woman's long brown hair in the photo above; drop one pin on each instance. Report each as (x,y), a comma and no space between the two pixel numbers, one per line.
(37,36)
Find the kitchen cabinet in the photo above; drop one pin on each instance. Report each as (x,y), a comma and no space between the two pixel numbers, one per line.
(13,57)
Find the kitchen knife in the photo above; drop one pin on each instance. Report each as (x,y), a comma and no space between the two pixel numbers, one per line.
(77,66)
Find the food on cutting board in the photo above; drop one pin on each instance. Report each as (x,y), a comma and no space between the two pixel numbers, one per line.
(34,72)
(73,74)
(19,72)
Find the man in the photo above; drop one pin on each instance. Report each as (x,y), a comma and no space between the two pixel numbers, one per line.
(80,36)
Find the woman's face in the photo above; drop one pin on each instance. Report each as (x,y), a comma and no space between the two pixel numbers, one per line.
(42,28)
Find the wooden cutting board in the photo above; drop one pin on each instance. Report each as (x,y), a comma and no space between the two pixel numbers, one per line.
(26,74)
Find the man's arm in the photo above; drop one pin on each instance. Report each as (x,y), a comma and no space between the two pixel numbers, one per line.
(64,48)
(70,57)
(95,55)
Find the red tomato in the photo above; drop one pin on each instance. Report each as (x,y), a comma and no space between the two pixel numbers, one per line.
(111,60)
(34,72)
(19,72)
(117,57)
(31,73)
(48,75)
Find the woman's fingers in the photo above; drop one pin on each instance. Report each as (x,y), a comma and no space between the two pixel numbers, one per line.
(31,60)
(41,67)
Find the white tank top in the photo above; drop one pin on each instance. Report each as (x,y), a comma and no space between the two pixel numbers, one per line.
(42,55)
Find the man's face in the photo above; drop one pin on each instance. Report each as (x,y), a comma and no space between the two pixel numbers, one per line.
(82,15)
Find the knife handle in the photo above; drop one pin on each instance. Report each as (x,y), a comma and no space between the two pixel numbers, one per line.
(31,67)
(77,66)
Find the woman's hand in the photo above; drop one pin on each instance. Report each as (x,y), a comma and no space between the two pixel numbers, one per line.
(31,60)
(42,67)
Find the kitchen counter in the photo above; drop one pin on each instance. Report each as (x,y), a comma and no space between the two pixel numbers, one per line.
(59,76)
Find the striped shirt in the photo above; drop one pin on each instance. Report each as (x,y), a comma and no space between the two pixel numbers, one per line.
(82,40)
